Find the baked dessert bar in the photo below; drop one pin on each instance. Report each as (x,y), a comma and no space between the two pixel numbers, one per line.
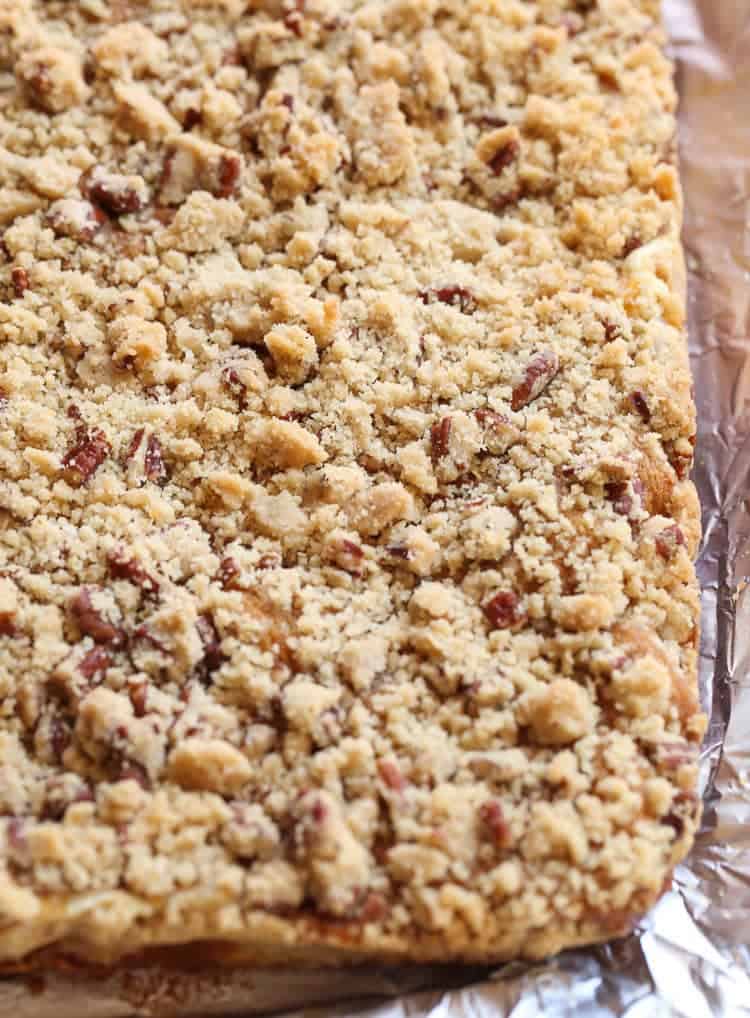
(346,599)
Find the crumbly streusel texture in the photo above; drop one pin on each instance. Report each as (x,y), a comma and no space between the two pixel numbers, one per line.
(346,598)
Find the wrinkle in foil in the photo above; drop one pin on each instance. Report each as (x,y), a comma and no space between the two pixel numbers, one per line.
(690,957)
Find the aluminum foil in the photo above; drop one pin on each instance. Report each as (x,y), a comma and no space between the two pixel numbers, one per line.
(690,958)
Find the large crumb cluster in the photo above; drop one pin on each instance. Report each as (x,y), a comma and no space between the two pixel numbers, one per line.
(346,596)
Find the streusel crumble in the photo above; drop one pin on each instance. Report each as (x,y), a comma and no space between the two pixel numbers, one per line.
(347,605)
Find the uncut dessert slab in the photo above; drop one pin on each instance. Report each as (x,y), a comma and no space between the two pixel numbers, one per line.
(347,606)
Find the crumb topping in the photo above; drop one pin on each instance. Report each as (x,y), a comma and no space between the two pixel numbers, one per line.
(345,422)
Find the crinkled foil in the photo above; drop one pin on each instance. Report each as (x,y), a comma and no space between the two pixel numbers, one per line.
(690,958)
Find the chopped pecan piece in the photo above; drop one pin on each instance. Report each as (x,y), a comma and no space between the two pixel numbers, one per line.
(681,462)
(52,78)
(92,623)
(230,377)
(191,118)
(572,23)
(440,434)
(624,499)
(139,698)
(228,175)
(669,540)
(129,770)
(345,553)
(391,775)
(59,737)
(153,463)
(502,201)
(491,120)
(19,278)
(97,660)
(16,835)
(457,296)
(135,442)
(85,455)
(683,808)
(144,633)
(504,156)
(123,568)
(537,375)
(503,611)
(213,657)
(228,574)
(59,795)
(114,192)
(630,245)
(612,330)
(374,907)
(193,164)
(499,432)
(638,401)
(76,218)
(293,21)
(493,823)
(7,624)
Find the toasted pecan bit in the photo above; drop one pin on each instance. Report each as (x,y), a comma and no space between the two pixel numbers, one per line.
(572,23)
(213,656)
(374,907)
(457,296)
(139,698)
(612,330)
(491,120)
(122,567)
(16,835)
(537,375)
(352,550)
(630,245)
(75,218)
(19,278)
(228,175)
(85,455)
(59,737)
(228,574)
(621,496)
(493,823)
(440,434)
(391,775)
(143,632)
(95,661)
(129,770)
(236,386)
(293,19)
(135,441)
(638,400)
(92,623)
(153,463)
(669,540)
(681,462)
(504,156)
(501,201)
(503,610)
(7,624)
(499,433)
(116,201)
